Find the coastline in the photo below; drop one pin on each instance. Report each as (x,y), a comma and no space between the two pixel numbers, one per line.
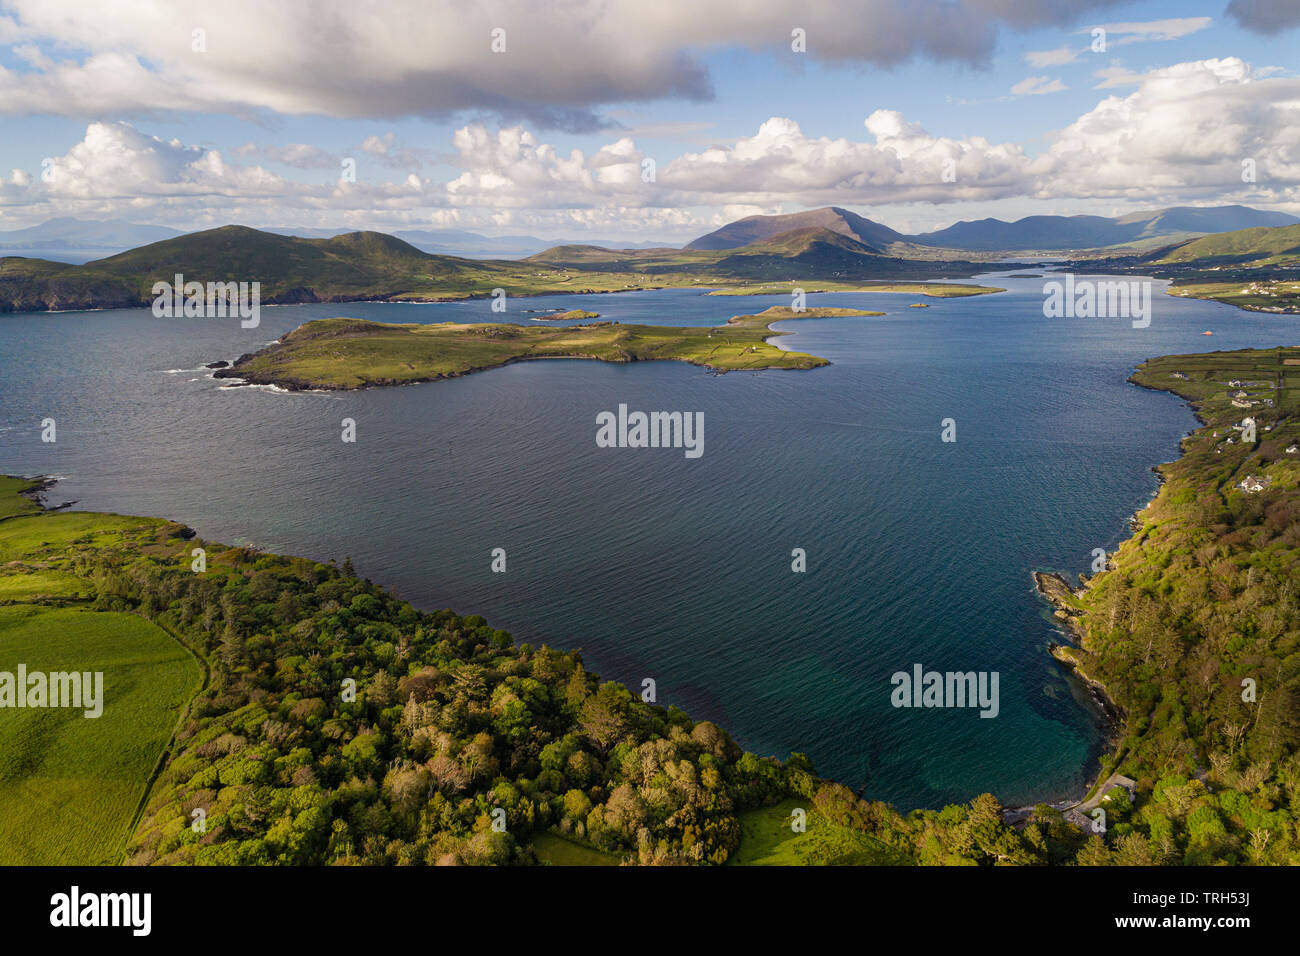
(1067,611)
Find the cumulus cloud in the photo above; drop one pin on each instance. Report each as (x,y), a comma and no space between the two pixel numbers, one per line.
(561,61)
(1183,133)
(116,169)
(904,163)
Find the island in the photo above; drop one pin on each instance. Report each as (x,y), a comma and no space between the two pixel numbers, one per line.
(572,315)
(344,353)
(937,290)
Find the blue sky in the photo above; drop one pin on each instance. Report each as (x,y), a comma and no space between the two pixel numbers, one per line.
(152,131)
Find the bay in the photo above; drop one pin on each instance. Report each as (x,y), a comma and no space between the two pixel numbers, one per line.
(674,569)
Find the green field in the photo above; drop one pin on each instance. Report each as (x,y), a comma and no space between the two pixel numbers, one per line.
(556,850)
(355,353)
(18,585)
(69,784)
(767,839)
(12,502)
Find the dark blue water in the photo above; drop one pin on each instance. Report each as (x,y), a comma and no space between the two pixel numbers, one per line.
(675,569)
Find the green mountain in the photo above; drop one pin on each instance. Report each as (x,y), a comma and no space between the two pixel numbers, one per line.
(1045,233)
(1096,232)
(350,267)
(1255,247)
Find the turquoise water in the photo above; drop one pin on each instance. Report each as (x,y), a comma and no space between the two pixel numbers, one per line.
(658,566)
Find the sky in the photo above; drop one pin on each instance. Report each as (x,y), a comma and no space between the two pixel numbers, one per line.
(640,121)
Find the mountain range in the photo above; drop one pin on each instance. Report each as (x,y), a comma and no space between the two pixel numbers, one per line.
(1031,234)
(79,240)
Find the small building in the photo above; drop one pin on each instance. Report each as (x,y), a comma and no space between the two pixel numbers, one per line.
(1292,449)
(1253,483)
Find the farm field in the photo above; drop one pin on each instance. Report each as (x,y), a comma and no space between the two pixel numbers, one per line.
(70,784)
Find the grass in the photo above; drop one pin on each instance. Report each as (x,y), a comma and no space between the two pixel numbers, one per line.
(354,353)
(556,850)
(767,839)
(23,586)
(69,784)
(1255,295)
(1262,245)
(12,501)
(30,536)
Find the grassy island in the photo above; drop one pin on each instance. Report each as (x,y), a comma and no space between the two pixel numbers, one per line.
(572,315)
(937,290)
(355,353)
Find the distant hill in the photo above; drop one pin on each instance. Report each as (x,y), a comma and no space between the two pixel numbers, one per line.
(1059,233)
(73,240)
(752,229)
(471,245)
(375,266)
(1259,246)
(76,240)
(1033,233)
(353,266)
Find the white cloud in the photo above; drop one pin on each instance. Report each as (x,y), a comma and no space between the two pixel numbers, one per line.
(1037,85)
(1183,134)
(1058,57)
(1120,34)
(117,169)
(1113,76)
(1141,32)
